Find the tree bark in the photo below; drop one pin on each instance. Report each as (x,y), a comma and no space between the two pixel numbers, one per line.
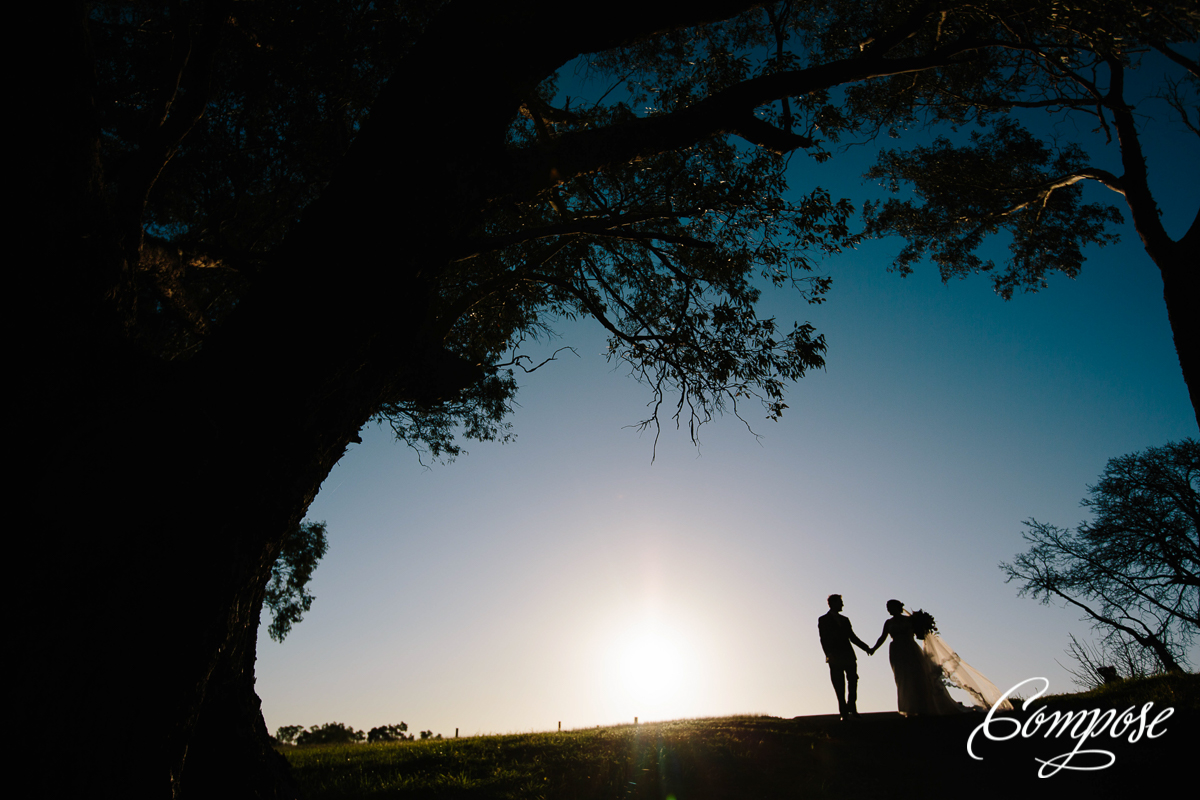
(229,750)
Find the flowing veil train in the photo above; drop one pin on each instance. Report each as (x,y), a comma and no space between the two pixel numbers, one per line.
(982,691)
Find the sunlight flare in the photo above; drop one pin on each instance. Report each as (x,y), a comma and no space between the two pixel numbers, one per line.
(653,671)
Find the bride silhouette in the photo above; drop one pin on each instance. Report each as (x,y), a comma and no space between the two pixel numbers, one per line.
(919,687)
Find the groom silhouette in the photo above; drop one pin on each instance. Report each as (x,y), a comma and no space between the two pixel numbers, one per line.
(836,636)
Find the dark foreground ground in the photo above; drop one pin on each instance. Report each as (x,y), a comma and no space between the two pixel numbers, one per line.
(874,756)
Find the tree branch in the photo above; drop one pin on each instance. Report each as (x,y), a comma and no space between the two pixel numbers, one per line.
(534,169)
(1191,65)
(1044,190)
(1135,180)
(765,135)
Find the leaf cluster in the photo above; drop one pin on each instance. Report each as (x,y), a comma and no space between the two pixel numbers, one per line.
(287,595)
(669,251)
(1003,180)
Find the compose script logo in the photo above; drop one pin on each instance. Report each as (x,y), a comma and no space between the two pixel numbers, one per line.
(1078,725)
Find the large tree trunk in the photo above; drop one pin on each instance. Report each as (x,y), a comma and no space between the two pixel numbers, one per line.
(160,493)
(157,494)
(159,516)
(1181,291)
(229,751)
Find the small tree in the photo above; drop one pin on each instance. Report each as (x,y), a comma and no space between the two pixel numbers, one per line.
(388,733)
(287,733)
(1135,569)
(330,733)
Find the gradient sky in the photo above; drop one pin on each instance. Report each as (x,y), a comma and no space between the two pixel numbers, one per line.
(565,578)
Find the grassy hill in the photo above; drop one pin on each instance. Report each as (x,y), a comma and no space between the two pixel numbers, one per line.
(875,756)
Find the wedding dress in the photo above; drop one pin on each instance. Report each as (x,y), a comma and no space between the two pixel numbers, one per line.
(919,686)
(919,689)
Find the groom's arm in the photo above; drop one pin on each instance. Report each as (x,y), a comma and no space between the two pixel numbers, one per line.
(854,638)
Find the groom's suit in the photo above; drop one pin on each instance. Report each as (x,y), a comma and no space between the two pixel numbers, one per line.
(836,637)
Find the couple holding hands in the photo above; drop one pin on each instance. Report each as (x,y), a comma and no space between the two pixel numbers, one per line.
(919,673)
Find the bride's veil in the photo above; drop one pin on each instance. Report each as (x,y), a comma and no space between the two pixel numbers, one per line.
(983,692)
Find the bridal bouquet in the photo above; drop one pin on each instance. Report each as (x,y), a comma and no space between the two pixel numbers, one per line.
(923,623)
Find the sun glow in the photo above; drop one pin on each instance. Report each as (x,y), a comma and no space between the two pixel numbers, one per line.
(653,672)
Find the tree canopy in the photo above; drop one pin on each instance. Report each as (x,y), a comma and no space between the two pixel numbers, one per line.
(1134,568)
(264,224)
(221,125)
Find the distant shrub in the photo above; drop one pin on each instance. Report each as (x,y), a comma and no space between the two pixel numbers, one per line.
(287,734)
(330,733)
(388,733)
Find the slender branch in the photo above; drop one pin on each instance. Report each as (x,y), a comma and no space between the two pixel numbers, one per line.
(1044,190)
(516,361)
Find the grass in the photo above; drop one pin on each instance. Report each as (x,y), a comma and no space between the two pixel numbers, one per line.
(876,756)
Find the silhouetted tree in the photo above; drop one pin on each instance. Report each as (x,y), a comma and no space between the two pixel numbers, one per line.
(287,733)
(330,733)
(388,733)
(258,226)
(1135,568)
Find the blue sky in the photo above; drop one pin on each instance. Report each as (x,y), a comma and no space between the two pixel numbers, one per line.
(565,577)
